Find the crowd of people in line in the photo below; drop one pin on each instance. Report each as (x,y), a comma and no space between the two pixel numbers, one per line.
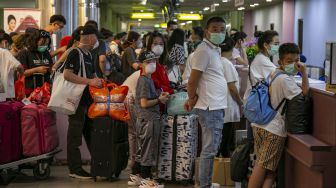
(153,65)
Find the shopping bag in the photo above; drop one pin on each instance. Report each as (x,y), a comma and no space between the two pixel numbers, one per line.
(175,105)
(41,95)
(20,88)
(66,95)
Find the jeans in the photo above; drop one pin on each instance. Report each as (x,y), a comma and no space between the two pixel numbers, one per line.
(211,122)
(79,125)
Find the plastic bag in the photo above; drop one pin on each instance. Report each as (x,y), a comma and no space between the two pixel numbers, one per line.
(109,100)
(41,95)
(20,88)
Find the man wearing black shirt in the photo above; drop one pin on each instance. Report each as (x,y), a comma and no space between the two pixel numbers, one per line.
(79,123)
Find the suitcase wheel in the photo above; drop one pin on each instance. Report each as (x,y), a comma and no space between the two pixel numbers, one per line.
(6,176)
(42,170)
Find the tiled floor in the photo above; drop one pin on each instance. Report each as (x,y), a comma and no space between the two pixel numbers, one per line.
(59,179)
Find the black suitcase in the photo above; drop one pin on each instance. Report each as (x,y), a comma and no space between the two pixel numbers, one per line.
(109,147)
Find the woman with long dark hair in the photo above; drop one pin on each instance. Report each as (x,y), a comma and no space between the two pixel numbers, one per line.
(36,60)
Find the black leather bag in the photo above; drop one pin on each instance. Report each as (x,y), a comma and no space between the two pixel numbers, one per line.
(298,115)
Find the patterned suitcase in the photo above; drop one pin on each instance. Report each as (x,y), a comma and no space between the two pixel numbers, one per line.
(178,148)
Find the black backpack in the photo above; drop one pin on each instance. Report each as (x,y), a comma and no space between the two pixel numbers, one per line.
(115,62)
(240,161)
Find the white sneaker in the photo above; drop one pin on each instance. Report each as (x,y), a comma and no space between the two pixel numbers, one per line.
(135,180)
(149,183)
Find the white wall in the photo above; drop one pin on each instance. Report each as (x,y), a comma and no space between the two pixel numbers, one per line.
(263,17)
(319,26)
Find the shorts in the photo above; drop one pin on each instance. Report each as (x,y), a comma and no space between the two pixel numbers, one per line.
(268,148)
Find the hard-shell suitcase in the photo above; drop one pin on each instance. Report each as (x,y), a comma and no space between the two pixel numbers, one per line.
(39,131)
(109,147)
(10,133)
(178,148)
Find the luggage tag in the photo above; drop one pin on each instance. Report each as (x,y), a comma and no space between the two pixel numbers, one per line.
(26,101)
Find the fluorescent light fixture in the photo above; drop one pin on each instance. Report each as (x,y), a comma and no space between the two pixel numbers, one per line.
(225,1)
(175,20)
(252,5)
(182,23)
(143,2)
(139,20)
(206,8)
(190,17)
(189,22)
(191,12)
(268,0)
(241,8)
(163,25)
(216,4)
(256,4)
(157,25)
(141,10)
(177,4)
(143,15)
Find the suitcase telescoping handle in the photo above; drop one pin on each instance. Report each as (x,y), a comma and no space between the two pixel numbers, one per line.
(34,78)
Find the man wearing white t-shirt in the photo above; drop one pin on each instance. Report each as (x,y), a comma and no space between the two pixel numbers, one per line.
(207,91)
(8,66)
(269,139)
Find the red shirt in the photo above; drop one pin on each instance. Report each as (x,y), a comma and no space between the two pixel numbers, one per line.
(160,79)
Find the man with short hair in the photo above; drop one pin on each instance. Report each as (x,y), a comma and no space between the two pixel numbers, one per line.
(5,41)
(171,26)
(56,24)
(207,92)
(116,44)
(79,123)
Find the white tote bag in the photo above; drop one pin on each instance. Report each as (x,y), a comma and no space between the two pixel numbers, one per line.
(66,95)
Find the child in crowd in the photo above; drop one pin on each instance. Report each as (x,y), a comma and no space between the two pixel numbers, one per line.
(147,102)
(269,140)
(232,113)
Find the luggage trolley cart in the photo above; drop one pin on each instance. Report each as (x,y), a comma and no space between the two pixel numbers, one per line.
(41,169)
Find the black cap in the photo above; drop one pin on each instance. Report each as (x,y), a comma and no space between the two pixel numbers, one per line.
(89,30)
(146,56)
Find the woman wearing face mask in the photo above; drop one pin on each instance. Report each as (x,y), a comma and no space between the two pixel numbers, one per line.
(262,66)
(156,44)
(129,57)
(36,60)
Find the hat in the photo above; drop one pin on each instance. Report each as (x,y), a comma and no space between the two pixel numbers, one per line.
(146,56)
(89,30)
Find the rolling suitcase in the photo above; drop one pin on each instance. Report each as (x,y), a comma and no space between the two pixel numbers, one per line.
(10,133)
(109,147)
(178,148)
(39,131)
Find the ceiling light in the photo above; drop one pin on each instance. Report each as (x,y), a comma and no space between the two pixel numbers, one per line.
(139,20)
(190,17)
(206,8)
(225,1)
(143,2)
(256,4)
(144,15)
(252,5)
(141,10)
(175,20)
(157,25)
(189,22)
(177,4)
(216,4)
(191,12)
(200,12)
(241,8)
(182,23)
(163,25)
(268,0)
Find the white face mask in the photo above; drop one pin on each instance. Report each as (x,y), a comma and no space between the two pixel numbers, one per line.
(139,44)
(150,68)
(96,45)
(158,50)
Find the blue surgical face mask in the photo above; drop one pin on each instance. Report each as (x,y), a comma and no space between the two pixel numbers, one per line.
(217,38)
(42,48)
(290,69)
(274,50)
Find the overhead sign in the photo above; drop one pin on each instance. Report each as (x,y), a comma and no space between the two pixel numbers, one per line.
(19,19)
(189,17)
(239,3)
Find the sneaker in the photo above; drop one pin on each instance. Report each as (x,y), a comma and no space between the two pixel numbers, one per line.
(135,180)
(149,183)
(82,174)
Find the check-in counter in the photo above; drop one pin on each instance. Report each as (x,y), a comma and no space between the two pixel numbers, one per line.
(310,159)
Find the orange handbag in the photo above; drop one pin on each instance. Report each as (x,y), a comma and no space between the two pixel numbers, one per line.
(109,100)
